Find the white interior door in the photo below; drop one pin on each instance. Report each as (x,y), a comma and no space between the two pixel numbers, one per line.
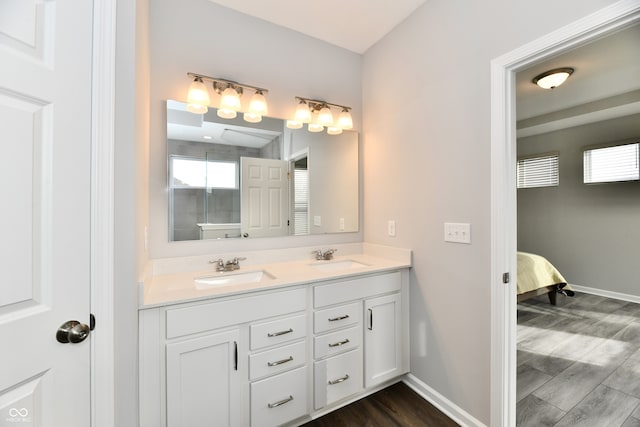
(45,135)
(264,195)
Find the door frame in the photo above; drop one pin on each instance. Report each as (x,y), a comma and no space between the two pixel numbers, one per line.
(102,213)
(503,188)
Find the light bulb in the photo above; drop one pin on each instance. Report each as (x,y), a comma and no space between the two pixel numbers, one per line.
(198,97)
(553,78)
(258,104)
(334,130)
(230,100)
(325,117)
(252,117)
(294,124)
(303,113)
(344,119)
(315,127)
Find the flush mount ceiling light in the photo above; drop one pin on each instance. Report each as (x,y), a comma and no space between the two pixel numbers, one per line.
(230,93)
(318,115)
(553,78)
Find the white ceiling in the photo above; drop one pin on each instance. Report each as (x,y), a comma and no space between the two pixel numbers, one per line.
(604,70)
(351,24)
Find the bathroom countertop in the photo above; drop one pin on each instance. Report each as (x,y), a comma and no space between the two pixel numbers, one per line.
(166,289)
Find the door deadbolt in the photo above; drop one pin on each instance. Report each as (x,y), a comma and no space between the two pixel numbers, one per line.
(72,332)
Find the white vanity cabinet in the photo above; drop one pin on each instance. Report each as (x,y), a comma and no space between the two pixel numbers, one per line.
(359,340)
(203,381)
(273,357)
(235,361)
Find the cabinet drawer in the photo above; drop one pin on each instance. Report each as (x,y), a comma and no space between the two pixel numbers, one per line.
(280,399)
(277,360)
(337,342)
(204,317)
(337,377)
(360,288)
(278,331)
(336,317)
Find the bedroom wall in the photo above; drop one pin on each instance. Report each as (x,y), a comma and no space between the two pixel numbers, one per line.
(202,37)
(591,233)
(426,96)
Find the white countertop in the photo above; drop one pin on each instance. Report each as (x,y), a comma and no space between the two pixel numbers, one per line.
(179,287)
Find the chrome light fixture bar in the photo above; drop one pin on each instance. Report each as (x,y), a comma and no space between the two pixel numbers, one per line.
(317,115)
(230,92)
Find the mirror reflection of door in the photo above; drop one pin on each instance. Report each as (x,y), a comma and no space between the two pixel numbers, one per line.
(264,195)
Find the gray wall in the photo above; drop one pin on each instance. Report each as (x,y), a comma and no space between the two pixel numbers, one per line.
(427,161)
(591,233)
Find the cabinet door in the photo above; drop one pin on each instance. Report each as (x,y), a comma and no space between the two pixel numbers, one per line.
(203,382)
(382,339)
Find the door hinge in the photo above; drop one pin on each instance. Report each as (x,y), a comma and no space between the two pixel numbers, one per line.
(505,278)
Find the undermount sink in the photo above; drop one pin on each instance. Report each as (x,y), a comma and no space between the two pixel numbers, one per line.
(225,278)
(340,265)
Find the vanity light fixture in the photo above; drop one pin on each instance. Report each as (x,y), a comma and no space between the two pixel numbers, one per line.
(553,78)
(230,93)
(318,115)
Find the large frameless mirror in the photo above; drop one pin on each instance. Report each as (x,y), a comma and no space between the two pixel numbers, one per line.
(232,179)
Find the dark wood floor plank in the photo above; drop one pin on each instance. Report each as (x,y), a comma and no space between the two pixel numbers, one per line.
(394,406)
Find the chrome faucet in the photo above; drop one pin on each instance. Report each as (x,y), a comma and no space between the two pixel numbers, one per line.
(324,255)
(229,265)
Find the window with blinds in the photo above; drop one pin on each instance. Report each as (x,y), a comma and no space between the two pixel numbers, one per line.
(612,164)
(538,171)
(301,201)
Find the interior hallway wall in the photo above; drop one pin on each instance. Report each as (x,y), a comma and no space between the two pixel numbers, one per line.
(426,96)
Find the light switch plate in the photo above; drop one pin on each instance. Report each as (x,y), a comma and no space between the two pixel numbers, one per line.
(391,228)
(457,232)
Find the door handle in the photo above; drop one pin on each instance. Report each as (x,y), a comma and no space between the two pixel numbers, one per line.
(72,332)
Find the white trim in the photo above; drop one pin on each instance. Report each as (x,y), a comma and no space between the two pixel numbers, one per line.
(503,199)
(445,405)
(605,293)
(102,213)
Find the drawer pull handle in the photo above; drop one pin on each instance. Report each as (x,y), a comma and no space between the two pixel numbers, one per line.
(335,319)
(282,402)
(280,362)
(339,343)
(339,380)
(277,334)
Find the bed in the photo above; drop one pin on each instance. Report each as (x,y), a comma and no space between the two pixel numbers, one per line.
(537,276)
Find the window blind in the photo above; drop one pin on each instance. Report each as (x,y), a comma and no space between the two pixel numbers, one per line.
(612,164)
(539,171)
(301,201)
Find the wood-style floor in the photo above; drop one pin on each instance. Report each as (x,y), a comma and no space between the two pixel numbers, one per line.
(578,363)
(394,406)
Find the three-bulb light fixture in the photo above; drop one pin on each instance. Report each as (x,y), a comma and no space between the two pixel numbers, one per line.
(318,115)
(198,98)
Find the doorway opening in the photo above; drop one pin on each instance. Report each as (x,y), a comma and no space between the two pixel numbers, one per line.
(503,204)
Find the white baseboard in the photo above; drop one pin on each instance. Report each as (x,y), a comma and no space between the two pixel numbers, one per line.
(605,293)
(446,406)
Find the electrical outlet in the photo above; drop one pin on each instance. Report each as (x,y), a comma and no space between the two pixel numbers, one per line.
(317,220)
(457,232)
(341,224)
(391,228)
